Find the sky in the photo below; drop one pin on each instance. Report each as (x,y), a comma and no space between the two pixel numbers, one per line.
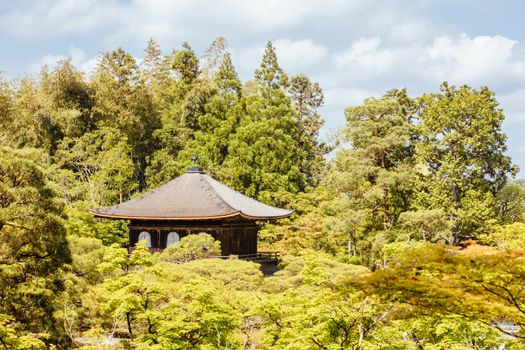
(355,48)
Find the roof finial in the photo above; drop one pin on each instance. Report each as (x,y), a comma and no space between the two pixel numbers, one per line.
(195,159)
(195,168)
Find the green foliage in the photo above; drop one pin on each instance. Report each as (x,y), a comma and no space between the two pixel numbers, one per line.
(191,247)
(183,105)
(463,150)
(265,156)
(223,112)
(479,283)
(31,124)
(81,223)
(33,244)
(365,263)
(373,180)
(10,338)
(96,167)
(440,332)
(509,236)
(123,102)
(427,225)
(196,319)
(510,203)
(307,97)
(7,104)
(234,274)
(87,254)
(115,259)
(313,319)
(141,256)
(270,77)
(70,100)
(313,271)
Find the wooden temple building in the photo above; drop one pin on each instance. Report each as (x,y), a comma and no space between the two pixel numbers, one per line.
(191,204)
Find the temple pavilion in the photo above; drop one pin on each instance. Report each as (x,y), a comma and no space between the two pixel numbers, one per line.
(191,204)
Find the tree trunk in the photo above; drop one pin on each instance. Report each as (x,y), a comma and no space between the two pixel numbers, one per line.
(386,213)
(386,210)
(128,320)
(456,203)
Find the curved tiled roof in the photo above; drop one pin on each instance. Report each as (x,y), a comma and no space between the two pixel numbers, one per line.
(192,196)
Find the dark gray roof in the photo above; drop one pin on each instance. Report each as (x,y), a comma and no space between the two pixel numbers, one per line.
(192,196)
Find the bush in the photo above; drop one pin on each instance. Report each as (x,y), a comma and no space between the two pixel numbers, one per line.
(192,247)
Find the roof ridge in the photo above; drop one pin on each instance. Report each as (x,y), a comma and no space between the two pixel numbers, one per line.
(219,184)
(203,177)
(206,177)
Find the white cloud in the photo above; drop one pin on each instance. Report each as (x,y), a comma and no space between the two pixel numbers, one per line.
(365,54)
(247,60)
(347,96)
(300,54)
(77,56)
(371,63)
(477,60)
(60,17)
(337,99)
(141,19)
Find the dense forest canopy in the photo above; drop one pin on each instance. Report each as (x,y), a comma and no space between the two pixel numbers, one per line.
(411,236)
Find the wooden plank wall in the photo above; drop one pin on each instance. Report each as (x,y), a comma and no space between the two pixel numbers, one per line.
(237,238)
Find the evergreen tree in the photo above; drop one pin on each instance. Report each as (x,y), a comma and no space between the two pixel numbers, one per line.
(32,123)
(33,246)
(185,102)
(70,99)
(7,105)
(223,114)
(96,168)
(307,97)
(373,178)
(270,77)
(155,71)
(213,58)
(152,61)
(123,102)
(462,156)
(263,155)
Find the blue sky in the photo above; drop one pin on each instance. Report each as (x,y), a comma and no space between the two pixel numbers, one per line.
(354,48)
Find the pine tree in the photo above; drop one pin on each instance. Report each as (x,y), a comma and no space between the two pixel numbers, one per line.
(372,179)
(223,113)
(70,99)
(213,58)
(270,77)
(263,155)
(123,102)
(307,97)
(152,61)
(155,71)
(462,153)
(7,105)
(33,245)
(186,98)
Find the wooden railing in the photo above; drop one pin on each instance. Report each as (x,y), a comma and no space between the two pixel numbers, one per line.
(151,250)
(259,256)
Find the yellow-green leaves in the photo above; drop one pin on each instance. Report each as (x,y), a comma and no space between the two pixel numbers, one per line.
(191,247)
